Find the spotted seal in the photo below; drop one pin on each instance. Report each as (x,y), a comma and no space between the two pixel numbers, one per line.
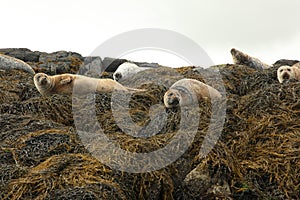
(240,58)
(64,84)
(7,62)
(127,69)
(189,91)
(288,72)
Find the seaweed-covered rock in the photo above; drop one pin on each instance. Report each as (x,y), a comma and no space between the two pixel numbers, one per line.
(200,184)
(92,67)
(59,62)
(255,156)
(282,62)
(63,171)
(16,86)
(22,53)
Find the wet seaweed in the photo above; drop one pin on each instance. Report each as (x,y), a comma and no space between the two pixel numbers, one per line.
(256,156)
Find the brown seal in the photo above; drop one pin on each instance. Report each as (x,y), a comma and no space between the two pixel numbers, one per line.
(240,58)
(65,83)
(288,72)
(189,91)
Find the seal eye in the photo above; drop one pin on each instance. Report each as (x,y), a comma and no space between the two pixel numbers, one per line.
(289,70)
(170,94)
(281,70)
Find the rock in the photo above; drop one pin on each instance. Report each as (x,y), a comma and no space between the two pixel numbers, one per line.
(200,184)
(147,65)
(112,64)
(92,67)
(196,183)
(59,56)
(282,62)
(57,68)
(22,53)
(59,62)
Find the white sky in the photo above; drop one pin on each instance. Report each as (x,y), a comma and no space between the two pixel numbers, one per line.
(266,29)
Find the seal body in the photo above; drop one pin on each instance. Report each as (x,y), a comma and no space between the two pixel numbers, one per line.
(69,83)
(188,92)
(7,62)
(241,58)
(126,70)
(288,72)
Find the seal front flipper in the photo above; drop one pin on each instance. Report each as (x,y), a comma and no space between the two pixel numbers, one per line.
(66,80)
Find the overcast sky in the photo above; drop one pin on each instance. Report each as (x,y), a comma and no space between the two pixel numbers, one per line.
(266,29)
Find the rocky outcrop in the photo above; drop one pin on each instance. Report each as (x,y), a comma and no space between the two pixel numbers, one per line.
(42,155)
(22,53)
(283,62)
(68,62)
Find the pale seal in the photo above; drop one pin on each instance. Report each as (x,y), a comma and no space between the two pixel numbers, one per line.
(188,92)
(126,70)
(240,58)
(64,84)
(288,72)
(7,62)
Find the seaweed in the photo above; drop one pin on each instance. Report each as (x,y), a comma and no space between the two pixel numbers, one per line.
(44,155)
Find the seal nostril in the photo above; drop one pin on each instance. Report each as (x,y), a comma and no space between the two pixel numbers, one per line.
(43,80)
(286,76)
(173,101)
(176,101)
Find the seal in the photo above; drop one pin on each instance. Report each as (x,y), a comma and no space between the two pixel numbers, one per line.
(241,58)
(126,70)
(188,92)
(288,72)
(7,62)
(65,83)
(296,65)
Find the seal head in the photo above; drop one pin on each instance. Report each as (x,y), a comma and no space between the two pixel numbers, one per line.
(172,98)
(285,73)
(187,92)
(58,84)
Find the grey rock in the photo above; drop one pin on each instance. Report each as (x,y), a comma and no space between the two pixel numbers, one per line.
(92,67)
(53,68)
(283,62)
(59,62)
(59,56)
(199,184)
(112,64)
(22,53)
(147,65)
